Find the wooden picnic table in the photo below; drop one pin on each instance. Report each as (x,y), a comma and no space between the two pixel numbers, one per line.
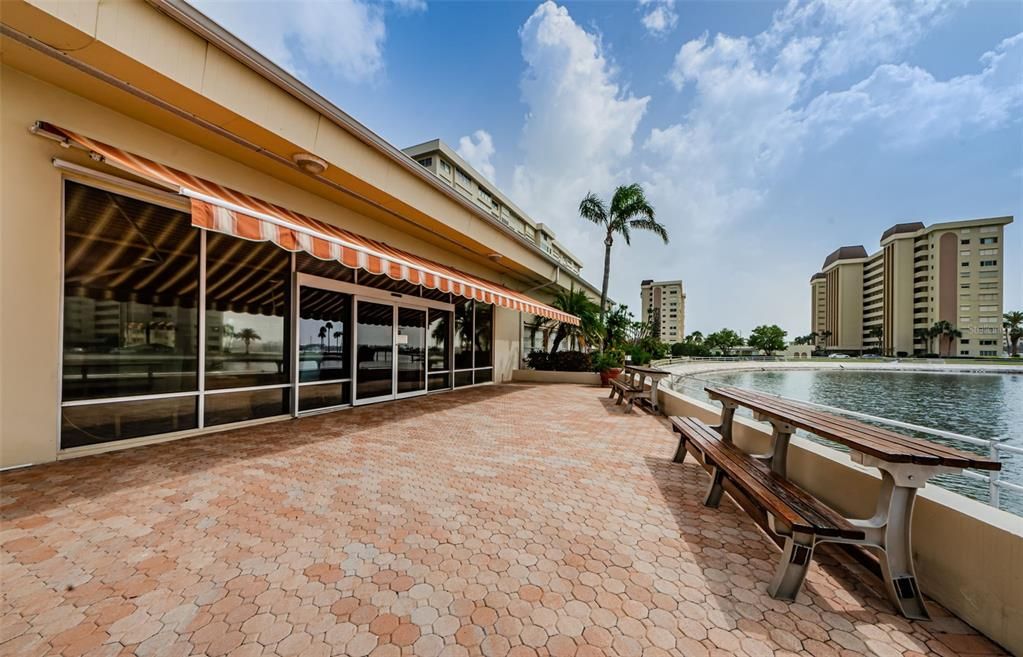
(655,375)
(906,464)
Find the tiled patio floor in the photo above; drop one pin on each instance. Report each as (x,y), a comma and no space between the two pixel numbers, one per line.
(504,520)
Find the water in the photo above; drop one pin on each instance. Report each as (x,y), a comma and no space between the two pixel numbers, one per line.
(979,405)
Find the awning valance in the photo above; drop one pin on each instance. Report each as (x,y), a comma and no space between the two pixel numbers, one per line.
(218,208)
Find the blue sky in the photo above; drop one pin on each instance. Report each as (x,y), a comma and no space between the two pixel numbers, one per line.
(766,134)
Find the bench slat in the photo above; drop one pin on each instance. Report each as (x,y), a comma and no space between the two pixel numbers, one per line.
(791,505)
(875,441)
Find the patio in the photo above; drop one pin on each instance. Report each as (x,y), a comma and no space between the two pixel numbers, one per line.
(501,520)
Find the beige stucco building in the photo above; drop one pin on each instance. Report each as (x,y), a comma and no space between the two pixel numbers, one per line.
(194,240)
(439,158)
(950,271)
(664,309)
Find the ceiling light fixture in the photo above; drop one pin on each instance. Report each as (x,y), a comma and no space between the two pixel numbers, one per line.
(309,163)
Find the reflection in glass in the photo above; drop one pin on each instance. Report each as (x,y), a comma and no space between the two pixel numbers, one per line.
(246,303)
(323,395)
(411,343)
(439,381)
(323,336)
(483,376)
(463,378)
(463,334)
(131,287)
(439,340)
(100,423)
(226,407)
(374,350)
(333,269)
(484,347)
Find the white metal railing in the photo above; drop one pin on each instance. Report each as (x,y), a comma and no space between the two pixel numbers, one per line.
(713,359)
(995,447)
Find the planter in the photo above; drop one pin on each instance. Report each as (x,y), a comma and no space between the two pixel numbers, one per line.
(607,375)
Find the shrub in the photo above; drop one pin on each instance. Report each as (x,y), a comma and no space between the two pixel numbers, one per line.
(570,361)
(609,359)
(639,356)
(901,354)
(678,349)
(538,360)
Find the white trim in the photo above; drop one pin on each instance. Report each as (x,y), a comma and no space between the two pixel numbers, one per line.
(223,391)
(170,199)
(373,294)
(127,398)
(321,383)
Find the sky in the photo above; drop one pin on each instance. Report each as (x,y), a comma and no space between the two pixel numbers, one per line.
(765,134)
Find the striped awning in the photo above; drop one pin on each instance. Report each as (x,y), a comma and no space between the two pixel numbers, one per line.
(217,208)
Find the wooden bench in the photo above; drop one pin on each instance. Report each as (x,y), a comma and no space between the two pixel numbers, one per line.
(631,385)
(760,484)
(778,505)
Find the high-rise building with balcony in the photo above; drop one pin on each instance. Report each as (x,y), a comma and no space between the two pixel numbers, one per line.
(664,308)
(921,275)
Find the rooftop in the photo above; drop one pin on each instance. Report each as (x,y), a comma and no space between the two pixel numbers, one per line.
(529,521)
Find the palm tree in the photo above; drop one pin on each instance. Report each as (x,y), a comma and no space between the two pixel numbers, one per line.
(329,326)
(877,332)
(248,336)
(578,304)
(629,210)
(322,334)
(924,335)
(695,337)
(1013,325)
(823,337)
(616,326)
(944,331)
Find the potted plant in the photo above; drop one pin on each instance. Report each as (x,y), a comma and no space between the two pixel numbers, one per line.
(609,364)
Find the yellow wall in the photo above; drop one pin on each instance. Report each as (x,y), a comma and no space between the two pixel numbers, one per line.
(30,256)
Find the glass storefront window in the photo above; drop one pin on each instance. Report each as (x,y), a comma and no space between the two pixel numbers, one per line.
(324,337)
(228,407)
(484,347)
(247,286)
(463,334)
(92,424)
(439,341)
(131,290)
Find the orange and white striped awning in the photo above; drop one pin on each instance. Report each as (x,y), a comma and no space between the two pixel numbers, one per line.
(217,208)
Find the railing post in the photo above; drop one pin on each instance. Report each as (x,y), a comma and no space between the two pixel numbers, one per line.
(994,476)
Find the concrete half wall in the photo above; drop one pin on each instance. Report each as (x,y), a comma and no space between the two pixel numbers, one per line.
(969,556)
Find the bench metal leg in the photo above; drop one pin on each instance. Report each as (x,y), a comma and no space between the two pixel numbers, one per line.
(680,453)
(715,490)
(795,561)
(613,391)
(890,532)
(628,407)
(621,396)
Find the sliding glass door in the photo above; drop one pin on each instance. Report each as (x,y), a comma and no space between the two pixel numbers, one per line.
(374,351)
(411,345)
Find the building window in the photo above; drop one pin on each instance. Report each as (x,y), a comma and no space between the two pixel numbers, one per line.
(964,264)
(988,229)
(473,347)
(988,353)
(964,308)
(964,241)
(131,318)
(989,240)
(964,286)
(445,167)
(964,341)
(965,252)
(988,343)
(964,352)
(988,263)
(426,162)
(463,179)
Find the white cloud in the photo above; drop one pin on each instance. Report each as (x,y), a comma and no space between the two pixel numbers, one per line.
(579,128)
(477,149)
(659,16)
(911,106)
(344,37)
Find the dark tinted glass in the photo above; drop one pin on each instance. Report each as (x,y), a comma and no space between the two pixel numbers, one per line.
(411,344)
(439,381)
(324,336)
(131,287)
(483,376)
(246,301)
(324,395)
(374,350)
(100,423)
(438,339)
(484,345)
(463,378)
(463,335)
(226,407)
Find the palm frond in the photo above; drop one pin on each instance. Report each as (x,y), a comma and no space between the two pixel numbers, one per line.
(593,209)
(652,226)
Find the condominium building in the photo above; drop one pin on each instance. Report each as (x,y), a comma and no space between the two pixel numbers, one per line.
(921,275)
(664,309)
(438,158)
